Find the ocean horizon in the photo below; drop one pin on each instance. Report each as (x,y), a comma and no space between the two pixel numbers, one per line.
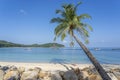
(59,55)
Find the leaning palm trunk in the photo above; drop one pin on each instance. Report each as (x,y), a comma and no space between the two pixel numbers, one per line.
(93,60)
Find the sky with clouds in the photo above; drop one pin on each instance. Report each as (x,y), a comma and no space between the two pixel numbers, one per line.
(28,21)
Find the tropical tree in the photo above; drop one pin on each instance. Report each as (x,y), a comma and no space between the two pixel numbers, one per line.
(70,23)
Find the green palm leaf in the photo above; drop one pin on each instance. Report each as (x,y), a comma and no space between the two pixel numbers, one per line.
(69,21)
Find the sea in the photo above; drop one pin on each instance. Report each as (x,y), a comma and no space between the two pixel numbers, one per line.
(59,55)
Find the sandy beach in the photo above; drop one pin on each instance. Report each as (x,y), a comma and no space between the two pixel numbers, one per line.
(45,66)
(54,66)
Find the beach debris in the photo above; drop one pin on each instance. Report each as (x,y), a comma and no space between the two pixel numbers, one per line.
(117,74)
(112,76)
(38,69)
(21,70)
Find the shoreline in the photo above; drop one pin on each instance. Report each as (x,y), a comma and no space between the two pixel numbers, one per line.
(54,66)
(45,66)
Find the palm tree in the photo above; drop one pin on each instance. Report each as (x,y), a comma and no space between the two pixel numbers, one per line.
(70,23)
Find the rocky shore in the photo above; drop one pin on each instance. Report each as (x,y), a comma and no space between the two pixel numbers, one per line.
(71,73)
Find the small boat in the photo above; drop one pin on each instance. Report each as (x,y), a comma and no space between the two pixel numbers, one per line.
(97,49)
(29,49)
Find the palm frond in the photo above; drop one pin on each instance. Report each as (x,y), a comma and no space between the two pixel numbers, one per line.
(84,16)
(63,36)
(57,20)
(71,43)
(55,38)
(88,26)
(77,5)
(59,11)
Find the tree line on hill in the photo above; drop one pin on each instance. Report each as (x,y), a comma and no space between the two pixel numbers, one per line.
(10,44)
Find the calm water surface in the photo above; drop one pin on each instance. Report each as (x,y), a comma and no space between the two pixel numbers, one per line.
(62,55)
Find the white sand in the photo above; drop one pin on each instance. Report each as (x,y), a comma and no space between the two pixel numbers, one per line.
(53,66)
(45,66)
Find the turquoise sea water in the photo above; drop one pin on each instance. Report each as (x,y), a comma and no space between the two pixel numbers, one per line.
(62,55)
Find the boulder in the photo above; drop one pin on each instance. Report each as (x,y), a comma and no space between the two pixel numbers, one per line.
(43,74)
(4,68)
(85,75)
(61,73)
(94,77)
(12,75)
(55,76)
(79,73)
(70,75)
(13,68)
(29,75)
(1,74)
(91,74)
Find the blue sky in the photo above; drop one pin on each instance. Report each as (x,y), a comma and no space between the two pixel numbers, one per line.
(28,21)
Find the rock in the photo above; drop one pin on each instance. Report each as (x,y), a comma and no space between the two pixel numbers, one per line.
(43,74)
(91,74)
(29,75)
(94,77)
(91,70)
(12,75)
(85,75)
(1,74)
(55,76)
(80,76)
(61,73)
(77,71)
(4,68)
(70,75)
(13,68)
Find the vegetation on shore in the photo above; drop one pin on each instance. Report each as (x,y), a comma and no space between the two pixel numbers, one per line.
(10,44)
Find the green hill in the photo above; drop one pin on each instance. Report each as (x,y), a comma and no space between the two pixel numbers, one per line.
(10,44)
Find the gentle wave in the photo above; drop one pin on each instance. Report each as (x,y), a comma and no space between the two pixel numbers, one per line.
(59,55)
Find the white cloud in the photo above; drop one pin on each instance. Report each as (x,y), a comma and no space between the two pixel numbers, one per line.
(22,11)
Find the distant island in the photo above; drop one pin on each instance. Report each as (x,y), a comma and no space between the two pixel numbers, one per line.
(10,44)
